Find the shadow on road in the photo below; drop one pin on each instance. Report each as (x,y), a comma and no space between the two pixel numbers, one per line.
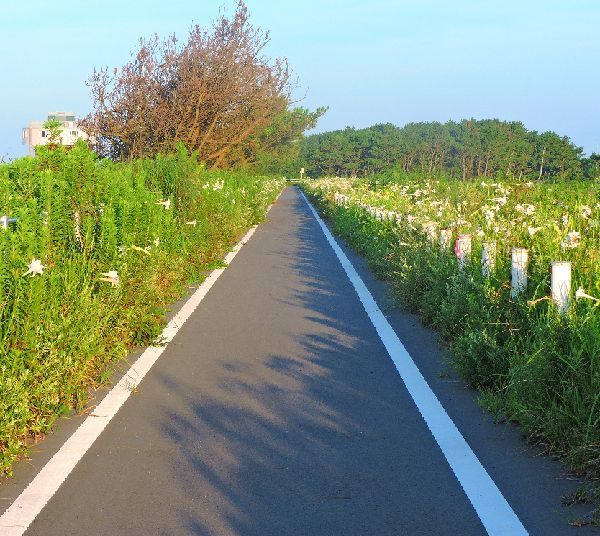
(304,427)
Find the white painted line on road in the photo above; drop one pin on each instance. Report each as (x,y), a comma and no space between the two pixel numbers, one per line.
(19,515)
(493,510)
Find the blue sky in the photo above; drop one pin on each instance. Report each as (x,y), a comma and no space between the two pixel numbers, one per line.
(378,61)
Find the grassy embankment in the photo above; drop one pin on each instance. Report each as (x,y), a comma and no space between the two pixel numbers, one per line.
(533,365)
(115,244)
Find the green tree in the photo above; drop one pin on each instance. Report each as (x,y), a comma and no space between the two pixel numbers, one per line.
(54,126)
(276,147)
(591,166)
(466,149)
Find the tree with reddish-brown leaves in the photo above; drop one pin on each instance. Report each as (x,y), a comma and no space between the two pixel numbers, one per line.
(217,93)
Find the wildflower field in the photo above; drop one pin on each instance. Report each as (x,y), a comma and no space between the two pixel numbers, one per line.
(92,254)
(536,360)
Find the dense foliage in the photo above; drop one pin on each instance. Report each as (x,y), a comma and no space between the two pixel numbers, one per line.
(532,364)
(97,253)
(468,149)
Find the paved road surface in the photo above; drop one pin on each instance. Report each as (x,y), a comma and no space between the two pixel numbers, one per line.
(276,411)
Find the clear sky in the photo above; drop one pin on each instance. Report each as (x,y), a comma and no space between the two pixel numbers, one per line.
(370,61)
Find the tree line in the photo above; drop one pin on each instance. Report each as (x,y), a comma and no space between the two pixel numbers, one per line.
(467,150)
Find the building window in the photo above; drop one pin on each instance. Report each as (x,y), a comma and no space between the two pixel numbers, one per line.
(43,133)
(73,133)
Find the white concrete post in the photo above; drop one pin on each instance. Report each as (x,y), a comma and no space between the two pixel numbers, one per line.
(462,249)
(445,238)
(560,285)
(4,222)
(518,271)
(488,258)
(430,229)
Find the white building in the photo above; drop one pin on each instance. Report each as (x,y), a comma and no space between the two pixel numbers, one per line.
(36,134)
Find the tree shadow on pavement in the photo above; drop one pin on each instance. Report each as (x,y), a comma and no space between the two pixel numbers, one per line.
(305,427)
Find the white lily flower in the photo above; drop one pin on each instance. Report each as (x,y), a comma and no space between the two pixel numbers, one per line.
(571,241)
(156,241)
(526,209)
(582,294)
(35,268)
(111,277)
(166,204)
(533,230)
(192,223)
(489,214)
(586,211)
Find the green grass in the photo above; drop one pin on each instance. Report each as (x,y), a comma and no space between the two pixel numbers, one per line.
(82,217)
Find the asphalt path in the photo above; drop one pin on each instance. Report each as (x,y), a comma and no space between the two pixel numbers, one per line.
(276,410)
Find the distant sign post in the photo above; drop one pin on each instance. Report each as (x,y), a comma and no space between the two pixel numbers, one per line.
(301,173)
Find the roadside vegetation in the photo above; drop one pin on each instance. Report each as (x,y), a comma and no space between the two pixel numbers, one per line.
(532,364)
(99,240)
(98,252)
